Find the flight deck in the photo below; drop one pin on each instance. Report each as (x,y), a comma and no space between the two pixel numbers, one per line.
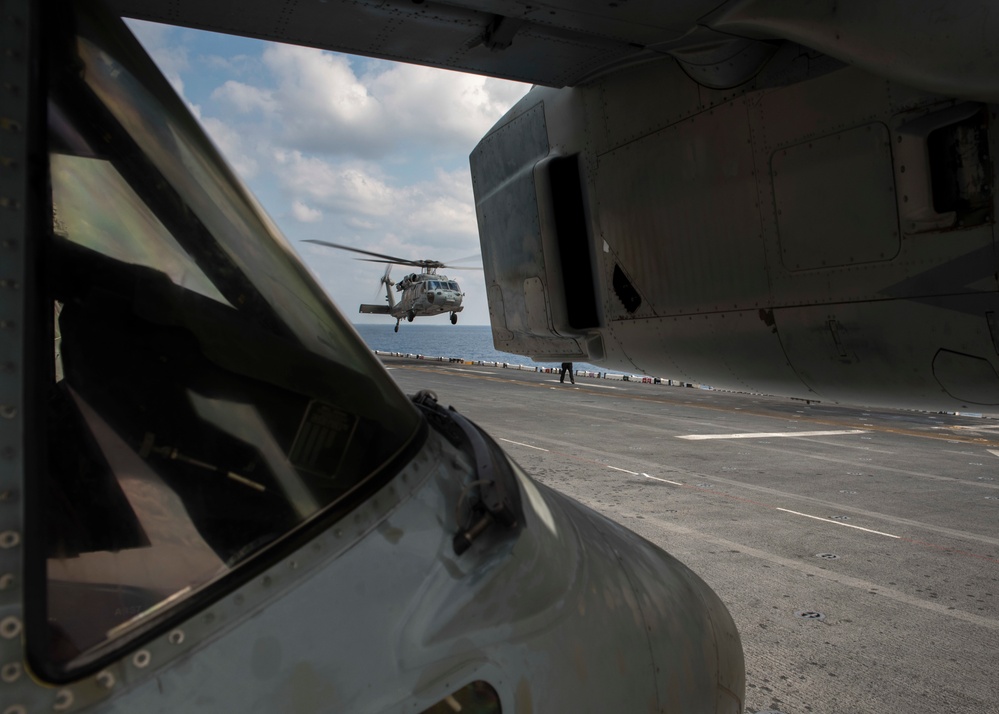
(857,549)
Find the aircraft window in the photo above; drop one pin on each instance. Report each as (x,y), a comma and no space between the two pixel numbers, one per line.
(204,398)
(453,286)
(476,698)
(176,148)
(133,235)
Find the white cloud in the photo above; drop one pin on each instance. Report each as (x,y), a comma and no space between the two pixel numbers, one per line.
(302,213)
(171,59)
(240,64)
(358,224)
(230,143)
(351,187)
(437,211)
(442,106)
(317,103)
(247,99)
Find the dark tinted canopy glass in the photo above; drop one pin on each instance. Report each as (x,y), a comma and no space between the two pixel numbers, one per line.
(205,398)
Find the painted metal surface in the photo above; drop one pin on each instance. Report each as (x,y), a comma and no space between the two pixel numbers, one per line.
(942,49)
(798,238)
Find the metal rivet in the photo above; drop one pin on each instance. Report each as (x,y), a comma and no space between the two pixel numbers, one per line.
(6,580)
(9,539)
(105,679)
(15,709)
(267,581)
(176,637)
(11,672)
(10,627)
(63,701)
(8,411)
(142,658)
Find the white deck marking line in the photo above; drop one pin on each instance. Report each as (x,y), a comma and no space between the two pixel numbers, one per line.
(476,371)
(664,480)
(528,446)
(675,483)
(994,452)
(837,523)
(771,434)
(585,384)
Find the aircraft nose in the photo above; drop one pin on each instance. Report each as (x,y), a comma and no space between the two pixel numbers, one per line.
(691,634)
(695,646)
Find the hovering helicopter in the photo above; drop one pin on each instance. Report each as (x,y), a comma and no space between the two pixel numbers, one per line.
(423,294)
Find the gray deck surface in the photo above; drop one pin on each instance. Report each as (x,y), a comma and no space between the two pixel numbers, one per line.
(861,566)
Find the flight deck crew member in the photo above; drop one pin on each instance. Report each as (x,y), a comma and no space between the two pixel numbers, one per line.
(566,367)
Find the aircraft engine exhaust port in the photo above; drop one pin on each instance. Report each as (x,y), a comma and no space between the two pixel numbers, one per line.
(423,294)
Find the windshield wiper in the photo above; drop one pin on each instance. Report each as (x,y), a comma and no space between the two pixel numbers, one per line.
(498,498)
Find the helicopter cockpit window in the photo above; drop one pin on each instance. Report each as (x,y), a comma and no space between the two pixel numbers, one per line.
(205,400)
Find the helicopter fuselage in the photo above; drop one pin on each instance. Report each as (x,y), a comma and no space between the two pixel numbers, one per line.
(425,294)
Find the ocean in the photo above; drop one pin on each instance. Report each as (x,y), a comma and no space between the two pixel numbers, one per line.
(468,342)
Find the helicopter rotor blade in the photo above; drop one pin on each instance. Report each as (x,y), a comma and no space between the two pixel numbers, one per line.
(384,258)
(477,256)
(391,259)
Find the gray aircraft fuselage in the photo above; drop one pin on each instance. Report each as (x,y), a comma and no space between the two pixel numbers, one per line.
(818,232)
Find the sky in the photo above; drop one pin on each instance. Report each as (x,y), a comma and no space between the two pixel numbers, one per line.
(346,149)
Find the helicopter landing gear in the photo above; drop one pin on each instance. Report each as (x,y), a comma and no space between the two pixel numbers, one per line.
(454,318)
(396,325)
(410,316)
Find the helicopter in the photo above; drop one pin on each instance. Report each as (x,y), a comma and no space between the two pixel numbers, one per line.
(424,294)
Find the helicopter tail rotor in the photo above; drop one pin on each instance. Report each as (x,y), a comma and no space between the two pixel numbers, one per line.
(387,282)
